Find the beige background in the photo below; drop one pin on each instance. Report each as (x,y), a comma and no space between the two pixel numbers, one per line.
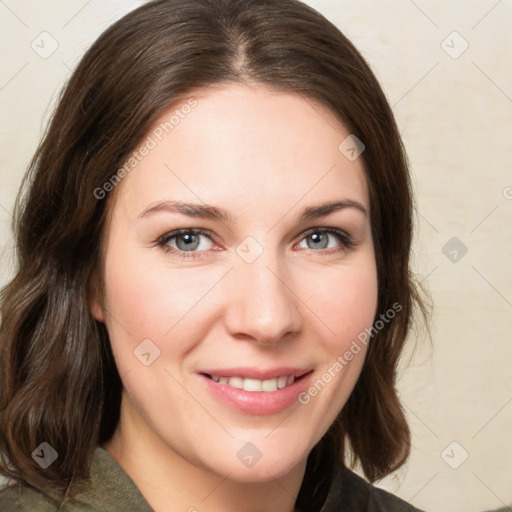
(455,113)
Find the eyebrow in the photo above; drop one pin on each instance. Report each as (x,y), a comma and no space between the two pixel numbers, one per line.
(206,211)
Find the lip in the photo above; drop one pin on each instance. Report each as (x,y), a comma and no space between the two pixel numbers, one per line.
(257,373)
(257,402)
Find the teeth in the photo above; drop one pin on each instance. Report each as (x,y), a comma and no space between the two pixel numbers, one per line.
(269,385)
(236,382)
(252,385)
(256,384)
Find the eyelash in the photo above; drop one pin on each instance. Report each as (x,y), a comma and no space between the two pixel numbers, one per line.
(345,239)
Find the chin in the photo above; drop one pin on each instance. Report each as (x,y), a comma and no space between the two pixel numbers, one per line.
(258,465)
(263,472)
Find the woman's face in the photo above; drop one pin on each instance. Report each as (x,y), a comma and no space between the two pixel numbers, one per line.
(271,292)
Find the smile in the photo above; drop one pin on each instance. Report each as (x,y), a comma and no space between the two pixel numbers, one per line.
(255,384)
(256,391)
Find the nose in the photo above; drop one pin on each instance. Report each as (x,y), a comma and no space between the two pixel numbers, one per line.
(262,305)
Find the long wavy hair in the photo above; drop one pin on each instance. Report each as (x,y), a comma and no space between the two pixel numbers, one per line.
(58,378)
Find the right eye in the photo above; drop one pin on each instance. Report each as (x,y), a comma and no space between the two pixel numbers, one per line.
(183,241)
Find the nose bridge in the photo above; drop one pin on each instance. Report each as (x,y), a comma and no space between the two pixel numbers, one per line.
(262,305)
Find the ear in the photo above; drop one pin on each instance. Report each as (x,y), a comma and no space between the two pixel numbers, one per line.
(95,300)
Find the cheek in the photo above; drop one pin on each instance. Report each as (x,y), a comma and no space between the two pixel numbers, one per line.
(346,303)
(149,299)
(346,307)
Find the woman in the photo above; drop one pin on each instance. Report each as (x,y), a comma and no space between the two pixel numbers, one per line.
(213,285)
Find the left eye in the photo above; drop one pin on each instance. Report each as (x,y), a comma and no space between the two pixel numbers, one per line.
(324,239)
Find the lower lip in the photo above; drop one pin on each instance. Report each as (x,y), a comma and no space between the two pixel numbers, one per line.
(257,402)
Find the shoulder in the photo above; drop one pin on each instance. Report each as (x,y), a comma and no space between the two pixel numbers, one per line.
(20,498)
(349,491)
(109,489)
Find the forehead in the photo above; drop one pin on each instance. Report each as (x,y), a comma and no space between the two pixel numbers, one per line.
(244,145)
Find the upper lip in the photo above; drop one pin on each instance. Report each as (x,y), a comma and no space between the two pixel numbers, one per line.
(257,373)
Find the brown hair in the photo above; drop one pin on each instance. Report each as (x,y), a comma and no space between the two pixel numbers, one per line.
(58,380)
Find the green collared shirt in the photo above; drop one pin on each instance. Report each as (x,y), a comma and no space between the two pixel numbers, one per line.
(112,490)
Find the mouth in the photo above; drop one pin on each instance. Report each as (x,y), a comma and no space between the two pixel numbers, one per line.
(254,385)
(255,391)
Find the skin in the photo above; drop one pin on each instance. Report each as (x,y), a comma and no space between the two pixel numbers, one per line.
(263,156)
